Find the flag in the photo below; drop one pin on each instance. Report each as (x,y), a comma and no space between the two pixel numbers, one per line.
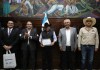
(45,19)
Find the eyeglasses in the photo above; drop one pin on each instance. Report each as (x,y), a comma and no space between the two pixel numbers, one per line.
(66,22)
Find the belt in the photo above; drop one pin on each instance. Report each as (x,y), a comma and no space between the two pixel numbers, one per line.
(68,46)
(88,45)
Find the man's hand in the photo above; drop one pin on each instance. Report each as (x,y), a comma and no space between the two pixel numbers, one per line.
(96,49)
(61,48)
(42,45)
(26,35)
(7,47)
(52,43)
(10,47)
(79,48)
(75,49)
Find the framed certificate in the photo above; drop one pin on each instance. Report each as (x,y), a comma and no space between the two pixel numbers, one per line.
(46,42)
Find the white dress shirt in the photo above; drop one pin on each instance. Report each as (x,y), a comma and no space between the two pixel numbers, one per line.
(9,31)
(29,36)
(68,43)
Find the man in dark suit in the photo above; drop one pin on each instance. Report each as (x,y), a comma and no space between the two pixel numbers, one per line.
(9,38)
(0,50)
(28,37)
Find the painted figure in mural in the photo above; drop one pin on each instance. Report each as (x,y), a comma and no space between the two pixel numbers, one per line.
(52,7)
(39,6)
(26,4)
(29,6)
(13,2)
(60,7)
(91,3)
(56,6)
(6,7)
(23,11)
(98,3)
(71,8)
(25,8)
(92,7)
(18,1)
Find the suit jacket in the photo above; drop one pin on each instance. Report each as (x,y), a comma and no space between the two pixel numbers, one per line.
(32,39)
(10,40)
(0,37)
(62,38)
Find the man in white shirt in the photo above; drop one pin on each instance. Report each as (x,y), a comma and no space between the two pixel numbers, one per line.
(47,34)
(9,39)
(67,43)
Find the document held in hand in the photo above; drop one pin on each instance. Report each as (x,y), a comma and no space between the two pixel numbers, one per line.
(46,42)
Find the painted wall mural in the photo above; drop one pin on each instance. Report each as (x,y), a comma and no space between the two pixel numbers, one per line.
(53,8)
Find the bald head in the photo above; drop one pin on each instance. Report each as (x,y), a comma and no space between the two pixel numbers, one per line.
(67,23)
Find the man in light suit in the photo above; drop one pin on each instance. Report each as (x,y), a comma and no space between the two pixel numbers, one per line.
(28,38)
(68,44)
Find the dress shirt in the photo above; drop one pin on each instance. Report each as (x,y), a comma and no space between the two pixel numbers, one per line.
(90,37)
(68,37)
(9,31)
(29,36)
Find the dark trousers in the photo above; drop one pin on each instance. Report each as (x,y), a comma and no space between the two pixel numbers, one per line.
(87,54)
(28,60)
(67,59)
(47,57)
(9,69)
(1,57)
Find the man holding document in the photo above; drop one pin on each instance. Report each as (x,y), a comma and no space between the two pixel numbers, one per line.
(47,39)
